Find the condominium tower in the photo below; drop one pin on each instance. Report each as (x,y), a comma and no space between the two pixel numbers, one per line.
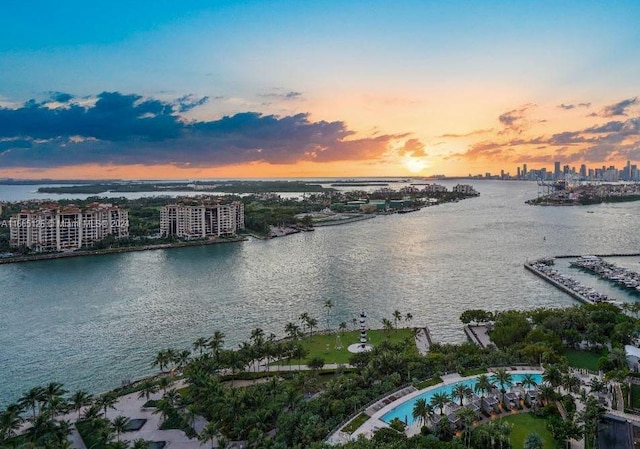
(56,228)
(202,220)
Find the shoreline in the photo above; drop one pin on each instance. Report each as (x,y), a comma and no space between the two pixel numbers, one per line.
(127,249)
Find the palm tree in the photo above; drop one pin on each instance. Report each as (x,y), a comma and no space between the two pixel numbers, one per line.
(312,322)
(147,388)
(570,383)
(546,393)
(328,304)
(209,433)
(107,401)
(92,413)
(52,390)
(32,399)
(528,381)
(119,425)
(165,408)
(468,417)
(162,360)
(439,400)
(182,359)
(460,391)
(80,399)
(354,323)
(397,316)
(504,379)
(304,317)
(408,317)
(200,344)
(387,325)
(10,421)
(483,385)
(57,405)
(292,330)
(216,344)
(140,443)
(422,411)
(164,382)
(552,375)
(342,326)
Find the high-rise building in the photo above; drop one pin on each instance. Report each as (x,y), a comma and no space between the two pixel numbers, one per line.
(55,228)
(557,173)
(203,220)
(583,171)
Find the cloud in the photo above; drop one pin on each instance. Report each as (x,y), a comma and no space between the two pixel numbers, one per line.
(573,106)
(189,102)
(469,134)
(514,120)
(129,129)
(291,95)
(60,97)
(619,108)
(413,147)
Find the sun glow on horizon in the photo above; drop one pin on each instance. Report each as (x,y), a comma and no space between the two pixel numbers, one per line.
(414,164)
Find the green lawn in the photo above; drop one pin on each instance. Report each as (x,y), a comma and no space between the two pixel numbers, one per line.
(324,346)
(583,359)
(526,423)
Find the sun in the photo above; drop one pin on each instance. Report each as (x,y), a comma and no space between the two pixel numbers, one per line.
(414,164)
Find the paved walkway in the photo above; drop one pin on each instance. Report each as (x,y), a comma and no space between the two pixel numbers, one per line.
(423,341)
(130,406)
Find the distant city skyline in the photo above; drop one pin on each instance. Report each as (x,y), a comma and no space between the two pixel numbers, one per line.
(255,89)
(560,171)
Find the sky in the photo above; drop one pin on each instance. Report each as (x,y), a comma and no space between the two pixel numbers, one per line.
(235,89)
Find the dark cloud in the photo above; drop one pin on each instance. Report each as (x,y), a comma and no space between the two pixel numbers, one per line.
(291,95)
(573,106)
(60,97)
(514,120)
(627,127)
(129,129)
(189,102)
(619,108)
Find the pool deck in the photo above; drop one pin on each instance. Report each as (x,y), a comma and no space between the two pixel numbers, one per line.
(376,412)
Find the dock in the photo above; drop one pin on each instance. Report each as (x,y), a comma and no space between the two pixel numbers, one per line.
(558,285)
(478,335)
(423,340)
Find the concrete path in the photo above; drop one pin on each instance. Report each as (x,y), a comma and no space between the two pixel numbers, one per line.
(423,341)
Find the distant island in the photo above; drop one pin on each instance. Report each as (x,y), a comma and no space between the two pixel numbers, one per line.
(560,194)
(32,229)
(197,186)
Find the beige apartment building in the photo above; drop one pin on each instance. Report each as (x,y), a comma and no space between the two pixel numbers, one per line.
(55,228)
(202,220)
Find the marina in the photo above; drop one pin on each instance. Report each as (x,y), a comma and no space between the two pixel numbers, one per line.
(620,276)
(612,283)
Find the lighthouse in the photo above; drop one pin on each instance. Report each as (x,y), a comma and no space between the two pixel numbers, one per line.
(363,328)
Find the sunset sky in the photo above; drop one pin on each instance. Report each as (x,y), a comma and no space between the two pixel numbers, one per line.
(234,89)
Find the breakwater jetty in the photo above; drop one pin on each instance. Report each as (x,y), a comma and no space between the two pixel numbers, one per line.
(544,269)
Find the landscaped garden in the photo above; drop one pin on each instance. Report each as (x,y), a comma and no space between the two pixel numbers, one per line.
(325,346)
(526,423)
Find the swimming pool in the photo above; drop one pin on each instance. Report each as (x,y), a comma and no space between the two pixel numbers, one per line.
(404,411)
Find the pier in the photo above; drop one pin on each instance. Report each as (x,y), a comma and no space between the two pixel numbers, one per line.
(574,294)
(478,335)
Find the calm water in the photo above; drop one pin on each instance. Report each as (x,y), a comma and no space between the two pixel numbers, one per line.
(91,322)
